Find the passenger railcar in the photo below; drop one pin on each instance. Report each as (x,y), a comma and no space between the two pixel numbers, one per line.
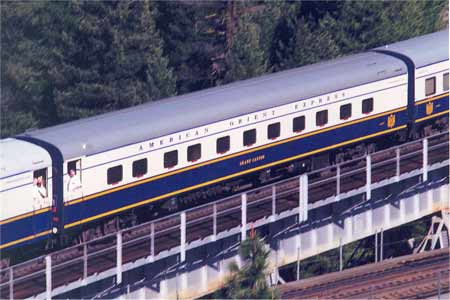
(173,153)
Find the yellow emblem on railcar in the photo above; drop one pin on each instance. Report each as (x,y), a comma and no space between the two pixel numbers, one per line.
(429,108)
(391,121)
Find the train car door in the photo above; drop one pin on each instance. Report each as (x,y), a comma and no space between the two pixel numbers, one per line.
(73,185)
(42,199)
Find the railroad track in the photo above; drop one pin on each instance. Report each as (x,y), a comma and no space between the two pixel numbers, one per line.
(409,277)
(68,265)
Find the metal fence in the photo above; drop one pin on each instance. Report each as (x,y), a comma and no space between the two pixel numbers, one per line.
(175,234)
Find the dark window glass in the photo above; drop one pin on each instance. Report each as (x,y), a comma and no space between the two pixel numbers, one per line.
(367,106)
(170,159)
(194,152)
(430,86)
(249,137)
(445,85)
(346,111)
(223,144)
(140,167)
(298,124)
(273,131)
(114,175)
(322,118)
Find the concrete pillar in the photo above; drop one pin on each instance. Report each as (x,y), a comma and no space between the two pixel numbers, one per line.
(205,278)
(330,232)
(369,220)
(314,238)
(182,236)
(381,244)
(368,177)
(348,227)
(402,210)
(341,261)
(303,198)
(48,277)
(243,216)
(387,215)
(425,159)
(119,258)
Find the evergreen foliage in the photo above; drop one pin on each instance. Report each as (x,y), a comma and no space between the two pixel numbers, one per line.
(245,58)
(249,282)
(64,60)
(76,59)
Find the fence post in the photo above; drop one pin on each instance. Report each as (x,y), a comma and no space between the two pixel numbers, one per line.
(397,161)
(425,159)
(243,216)
(48,276)
(274,208)
(368,177)
(376,245)
(152,242)
(183,237)
(119,258)
(381,244)
(338,182)
(303,198)
(85,262)
(214,238)
(11,283)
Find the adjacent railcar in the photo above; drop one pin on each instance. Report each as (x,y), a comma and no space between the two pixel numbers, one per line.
(174,153)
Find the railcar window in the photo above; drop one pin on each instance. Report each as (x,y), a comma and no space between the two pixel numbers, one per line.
(430,86)
(194,152)
(249,137)
(322,117)
(140,167)
(114,175)
(346,111)
(170,159)
(223,144)
(273,131)
(298,124)
(445,85)
(367,106)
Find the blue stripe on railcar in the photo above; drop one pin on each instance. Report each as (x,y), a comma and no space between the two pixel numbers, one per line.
(13,232)
(439,105)
(116,200)
(26,227)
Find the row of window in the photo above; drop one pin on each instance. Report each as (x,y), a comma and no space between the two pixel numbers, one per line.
(194,152)
(430,84)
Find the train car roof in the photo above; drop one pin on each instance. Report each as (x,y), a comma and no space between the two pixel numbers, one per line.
(423,50)
(164,117)
(18,156)
(160,118)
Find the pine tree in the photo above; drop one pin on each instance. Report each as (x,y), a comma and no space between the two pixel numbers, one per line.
(313,46)
(249,282)
(245,58)
(283,43)
(75,59)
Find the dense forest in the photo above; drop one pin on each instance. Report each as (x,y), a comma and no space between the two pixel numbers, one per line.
(65,60)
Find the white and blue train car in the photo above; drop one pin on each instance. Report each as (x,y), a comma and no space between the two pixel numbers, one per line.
(147,154)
